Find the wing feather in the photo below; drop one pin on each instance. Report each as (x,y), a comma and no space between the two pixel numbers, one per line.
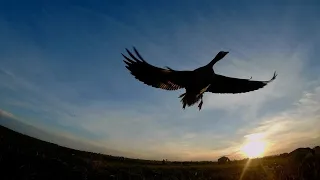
(167,79)
(224,84)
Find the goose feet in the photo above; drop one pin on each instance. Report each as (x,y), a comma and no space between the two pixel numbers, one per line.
(201,102)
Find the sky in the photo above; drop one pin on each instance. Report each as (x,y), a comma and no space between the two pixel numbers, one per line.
(62,75)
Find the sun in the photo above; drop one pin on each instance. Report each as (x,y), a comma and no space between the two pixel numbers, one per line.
(254,149)
(255,145)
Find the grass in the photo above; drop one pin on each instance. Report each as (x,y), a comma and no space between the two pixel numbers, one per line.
(24,157)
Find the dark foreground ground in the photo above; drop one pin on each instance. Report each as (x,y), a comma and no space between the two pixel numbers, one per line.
(23,157)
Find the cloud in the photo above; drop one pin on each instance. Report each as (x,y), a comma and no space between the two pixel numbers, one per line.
(290,82)
(6,114)
(56,136)
(145,134)
(294,127)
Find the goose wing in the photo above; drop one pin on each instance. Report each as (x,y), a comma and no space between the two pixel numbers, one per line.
(167,79)
(223,84)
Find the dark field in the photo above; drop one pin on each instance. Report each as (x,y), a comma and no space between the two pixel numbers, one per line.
(23,157)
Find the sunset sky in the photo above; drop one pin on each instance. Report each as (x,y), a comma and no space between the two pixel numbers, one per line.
(61,71)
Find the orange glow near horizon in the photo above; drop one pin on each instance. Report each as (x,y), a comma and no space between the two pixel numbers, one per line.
(255,146)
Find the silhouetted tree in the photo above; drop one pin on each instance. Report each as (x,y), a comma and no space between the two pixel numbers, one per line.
(223,160)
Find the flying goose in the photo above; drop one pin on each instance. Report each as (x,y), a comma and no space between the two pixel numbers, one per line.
(196,82)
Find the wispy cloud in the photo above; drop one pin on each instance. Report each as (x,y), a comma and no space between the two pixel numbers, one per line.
(289,129)
(6,114)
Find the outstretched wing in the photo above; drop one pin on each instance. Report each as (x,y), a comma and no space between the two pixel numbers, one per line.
(224,84)
(167,79)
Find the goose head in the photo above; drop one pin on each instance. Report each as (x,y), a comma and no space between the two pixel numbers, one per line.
(218,57)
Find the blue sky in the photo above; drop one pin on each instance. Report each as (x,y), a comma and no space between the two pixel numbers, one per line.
(61,71)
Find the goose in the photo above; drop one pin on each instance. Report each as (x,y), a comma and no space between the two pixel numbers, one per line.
(195,82)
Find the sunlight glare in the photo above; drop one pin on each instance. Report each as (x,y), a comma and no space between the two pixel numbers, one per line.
(255,147)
